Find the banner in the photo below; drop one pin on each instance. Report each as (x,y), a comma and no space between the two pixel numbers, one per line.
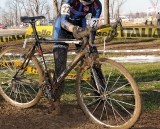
(43,31)
(132,32)
(128,32)
(9,38)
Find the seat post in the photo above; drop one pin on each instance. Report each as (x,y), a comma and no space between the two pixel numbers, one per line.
(34,30)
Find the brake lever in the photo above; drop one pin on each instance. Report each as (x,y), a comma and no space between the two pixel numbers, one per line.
(118,23)
(121,27)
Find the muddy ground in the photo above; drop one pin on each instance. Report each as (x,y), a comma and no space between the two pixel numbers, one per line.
(72,116)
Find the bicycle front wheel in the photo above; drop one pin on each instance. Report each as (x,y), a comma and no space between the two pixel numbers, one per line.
(23,89)
(112,98)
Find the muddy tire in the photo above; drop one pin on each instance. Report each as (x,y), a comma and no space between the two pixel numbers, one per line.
(21,90)
(113,102)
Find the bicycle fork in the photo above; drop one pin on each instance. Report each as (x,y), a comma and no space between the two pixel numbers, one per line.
(99,80)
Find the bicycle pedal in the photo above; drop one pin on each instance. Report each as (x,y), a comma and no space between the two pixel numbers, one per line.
(50,109)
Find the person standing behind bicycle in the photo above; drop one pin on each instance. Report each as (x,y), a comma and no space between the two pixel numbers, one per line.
(69,22)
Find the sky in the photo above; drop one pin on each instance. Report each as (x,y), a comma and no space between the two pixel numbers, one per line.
(129,6)
(136,6)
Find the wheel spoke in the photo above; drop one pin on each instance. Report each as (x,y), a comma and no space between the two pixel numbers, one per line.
(122,102)
(119,88)
(118,102)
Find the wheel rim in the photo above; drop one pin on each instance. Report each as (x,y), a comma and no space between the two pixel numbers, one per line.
(116,104)
(22,90)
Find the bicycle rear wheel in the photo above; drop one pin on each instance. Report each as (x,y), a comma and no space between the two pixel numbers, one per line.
(113,102)
(22,90)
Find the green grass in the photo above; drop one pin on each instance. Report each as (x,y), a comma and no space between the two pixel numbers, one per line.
(144,72)
(150,98)
(147,76)
(69,95)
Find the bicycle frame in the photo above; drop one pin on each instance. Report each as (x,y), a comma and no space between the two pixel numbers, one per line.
(87,43)
(37,44)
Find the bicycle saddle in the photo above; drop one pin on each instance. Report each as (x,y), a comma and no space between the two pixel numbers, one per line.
(27,19)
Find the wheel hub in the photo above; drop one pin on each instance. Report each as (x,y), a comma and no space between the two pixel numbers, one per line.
(104,96)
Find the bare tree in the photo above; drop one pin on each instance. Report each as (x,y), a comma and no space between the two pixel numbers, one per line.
(7,17)
(115,7)
(13,5)
(106,11)
(154,2)
(119,5)
(112,5)
(24,6)
(55,6)
(37,6)
(18,8)
(4,17)
(47,9)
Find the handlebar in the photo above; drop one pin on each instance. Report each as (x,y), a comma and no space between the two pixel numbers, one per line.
(89,30)
(114,31)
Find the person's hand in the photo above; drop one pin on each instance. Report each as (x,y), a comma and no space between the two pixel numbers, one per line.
(76,31)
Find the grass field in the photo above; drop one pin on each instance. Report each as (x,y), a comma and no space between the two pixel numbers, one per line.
(147,76)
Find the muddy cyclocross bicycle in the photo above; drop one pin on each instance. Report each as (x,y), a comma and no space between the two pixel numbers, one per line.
(105,90)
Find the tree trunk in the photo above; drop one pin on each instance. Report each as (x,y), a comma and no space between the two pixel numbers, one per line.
(55,8)
(106,12)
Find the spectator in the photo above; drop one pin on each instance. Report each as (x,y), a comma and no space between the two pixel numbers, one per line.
(158,19)
(146,22)
(150,19)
